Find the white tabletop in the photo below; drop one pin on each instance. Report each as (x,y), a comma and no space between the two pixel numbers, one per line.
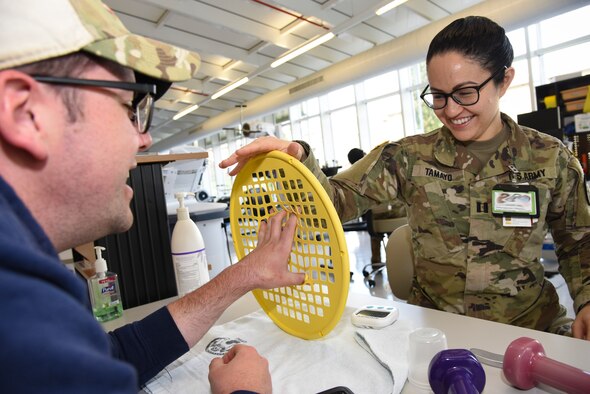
(461,332)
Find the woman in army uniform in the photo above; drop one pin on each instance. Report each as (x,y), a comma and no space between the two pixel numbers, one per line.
(474,255)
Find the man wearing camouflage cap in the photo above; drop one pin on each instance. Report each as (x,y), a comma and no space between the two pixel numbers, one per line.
(76,98)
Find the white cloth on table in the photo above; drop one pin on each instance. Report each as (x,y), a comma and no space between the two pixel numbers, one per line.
(296,365)
(389,345)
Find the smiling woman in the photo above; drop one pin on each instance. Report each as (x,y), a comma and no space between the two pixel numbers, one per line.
(473,113)
(468,258)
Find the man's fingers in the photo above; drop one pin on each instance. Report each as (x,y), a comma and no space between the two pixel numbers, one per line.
(290,226)
(231,353)
(215,363)
(262,231)
(276,224)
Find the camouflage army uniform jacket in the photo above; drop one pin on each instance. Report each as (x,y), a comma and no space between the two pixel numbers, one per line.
(466,261)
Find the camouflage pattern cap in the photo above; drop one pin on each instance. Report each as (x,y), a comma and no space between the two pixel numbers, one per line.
(34,30)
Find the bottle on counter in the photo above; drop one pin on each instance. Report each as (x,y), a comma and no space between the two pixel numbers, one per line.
(104,290)
(188,251)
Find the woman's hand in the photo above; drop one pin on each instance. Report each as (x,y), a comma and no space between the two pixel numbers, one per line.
(258,146)
(581,326)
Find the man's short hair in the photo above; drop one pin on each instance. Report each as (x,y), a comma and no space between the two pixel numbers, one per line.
(72,65)
(355,154)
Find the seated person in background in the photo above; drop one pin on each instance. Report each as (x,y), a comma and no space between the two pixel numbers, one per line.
(392,210)
(72,119)
(468,257)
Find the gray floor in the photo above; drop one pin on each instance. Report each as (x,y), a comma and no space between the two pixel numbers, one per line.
(359,254)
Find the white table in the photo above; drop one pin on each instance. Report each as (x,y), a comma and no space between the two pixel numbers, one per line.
(461,332)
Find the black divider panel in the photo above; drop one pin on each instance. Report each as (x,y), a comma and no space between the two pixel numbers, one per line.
(142,256)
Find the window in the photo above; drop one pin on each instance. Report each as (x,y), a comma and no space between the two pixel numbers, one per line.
(381,85)
(311,131)
(341,98)
(556,50)
(577,60)
(285,132)
(345,134)
(564,27)
(388,106)
(385,119)
(517,99)
(518,40)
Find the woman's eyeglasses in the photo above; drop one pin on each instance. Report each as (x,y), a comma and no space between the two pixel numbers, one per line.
(468,95)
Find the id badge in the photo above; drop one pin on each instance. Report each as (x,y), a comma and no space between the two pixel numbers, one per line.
(515,200)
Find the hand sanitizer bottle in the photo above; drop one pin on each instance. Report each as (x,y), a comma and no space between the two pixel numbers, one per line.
(104,290)
(188,251)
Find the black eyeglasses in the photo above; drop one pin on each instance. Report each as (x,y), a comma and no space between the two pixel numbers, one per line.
(141,108)
(465,96)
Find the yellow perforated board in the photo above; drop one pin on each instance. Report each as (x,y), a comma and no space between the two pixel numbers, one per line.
(278,181)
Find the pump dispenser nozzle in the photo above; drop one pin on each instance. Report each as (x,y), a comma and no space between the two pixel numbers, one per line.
(180,197)
(100,265)
(182,211)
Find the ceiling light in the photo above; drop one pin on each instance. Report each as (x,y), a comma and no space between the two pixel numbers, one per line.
(389,6)
(229,88)
(302,49)
(185,111)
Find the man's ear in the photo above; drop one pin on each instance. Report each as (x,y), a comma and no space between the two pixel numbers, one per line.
(21,102)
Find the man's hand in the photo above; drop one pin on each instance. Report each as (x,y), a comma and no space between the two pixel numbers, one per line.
(258,146)
(242,368)
(265,267)
(581,326)
(268,261)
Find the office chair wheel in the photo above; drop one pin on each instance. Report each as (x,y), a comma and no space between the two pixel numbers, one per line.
(276,181)
(370,278)
(365,271)
(374,267)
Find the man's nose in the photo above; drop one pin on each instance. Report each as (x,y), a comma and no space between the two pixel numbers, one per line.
(145,141)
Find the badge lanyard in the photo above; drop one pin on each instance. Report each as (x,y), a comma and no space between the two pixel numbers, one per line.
(516,202)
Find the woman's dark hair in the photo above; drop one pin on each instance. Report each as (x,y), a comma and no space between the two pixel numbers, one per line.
(477,38)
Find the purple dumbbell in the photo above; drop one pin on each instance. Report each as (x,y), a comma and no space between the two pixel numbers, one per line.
(525,365)
(456,371)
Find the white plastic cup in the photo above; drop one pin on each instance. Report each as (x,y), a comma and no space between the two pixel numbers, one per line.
(424,344)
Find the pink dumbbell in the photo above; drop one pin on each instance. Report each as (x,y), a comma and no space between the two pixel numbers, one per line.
(525,365)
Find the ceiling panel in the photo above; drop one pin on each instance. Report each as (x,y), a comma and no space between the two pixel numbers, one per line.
(239,38)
